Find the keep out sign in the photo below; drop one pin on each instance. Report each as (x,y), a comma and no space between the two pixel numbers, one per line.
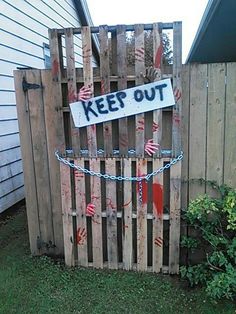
(123,103)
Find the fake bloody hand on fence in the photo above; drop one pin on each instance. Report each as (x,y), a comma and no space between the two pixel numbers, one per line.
(85,93)
(90,210)
(150,147)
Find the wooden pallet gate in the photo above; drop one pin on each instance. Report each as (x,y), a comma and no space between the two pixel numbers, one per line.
(128,231)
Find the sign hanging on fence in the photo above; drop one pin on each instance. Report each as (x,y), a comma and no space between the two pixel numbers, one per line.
(123,103)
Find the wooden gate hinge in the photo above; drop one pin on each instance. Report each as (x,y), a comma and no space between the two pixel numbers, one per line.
(41,244)
(26,86)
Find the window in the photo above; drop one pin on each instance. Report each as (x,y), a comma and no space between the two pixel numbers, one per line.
(46,54)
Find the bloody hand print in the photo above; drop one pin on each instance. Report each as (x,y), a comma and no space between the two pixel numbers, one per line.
(81,236)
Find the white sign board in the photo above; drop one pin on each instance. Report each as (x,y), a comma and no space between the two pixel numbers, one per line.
(123,103)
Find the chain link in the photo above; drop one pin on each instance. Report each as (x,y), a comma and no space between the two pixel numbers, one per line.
(119,178)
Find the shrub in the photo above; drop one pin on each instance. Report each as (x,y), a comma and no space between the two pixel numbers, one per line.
(215,220)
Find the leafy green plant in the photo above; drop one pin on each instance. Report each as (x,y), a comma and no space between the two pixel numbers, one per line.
(215,221)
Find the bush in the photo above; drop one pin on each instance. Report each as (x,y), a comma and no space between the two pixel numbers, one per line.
(215,220)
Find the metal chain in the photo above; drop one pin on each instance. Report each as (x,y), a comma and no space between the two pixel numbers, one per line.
(119,178)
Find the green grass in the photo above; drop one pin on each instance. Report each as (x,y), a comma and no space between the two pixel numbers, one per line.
(39,285)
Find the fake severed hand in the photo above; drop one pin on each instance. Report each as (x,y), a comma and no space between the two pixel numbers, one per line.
(90,210)
(85,93)
(150,147)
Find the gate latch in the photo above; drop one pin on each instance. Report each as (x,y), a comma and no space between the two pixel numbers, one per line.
(26,86)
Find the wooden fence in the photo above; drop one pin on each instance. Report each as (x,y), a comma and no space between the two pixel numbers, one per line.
(124,232)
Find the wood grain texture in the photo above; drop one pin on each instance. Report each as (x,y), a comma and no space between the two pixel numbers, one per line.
(66,199)
(127,220)
(81,222)
(96,199)
(141,170)
(139,73)
(28,162)
(105,85)
(175,206)
(88,82)
(122,84)
(157,238)
(111,210)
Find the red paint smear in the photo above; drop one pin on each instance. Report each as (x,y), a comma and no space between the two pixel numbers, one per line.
(93,127)
(55,68)
(158,199)
(71,95)
(158,56)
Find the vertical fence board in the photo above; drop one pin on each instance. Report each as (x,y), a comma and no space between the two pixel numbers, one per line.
(122,84)
(177,67)
(141,170)
(66,199)
(139,72)
(215,122)
(40,157)
(81,225)
(111,210)
(88,81)
(157,61)
(28,162)
(175,189)
(197,128)
(71,85)
(157,195)
(55,139)
(127,221)
(230,123)
(96,196)
(105,85)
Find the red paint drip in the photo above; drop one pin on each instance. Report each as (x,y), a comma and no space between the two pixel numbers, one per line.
(158,199)
(158,56)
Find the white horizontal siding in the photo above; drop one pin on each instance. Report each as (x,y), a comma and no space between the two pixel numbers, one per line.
(8,127)
(11,184)
(11,198)
(7,112)
(23,31)
(7,157)
(6,82)
(10,170)
(9,141)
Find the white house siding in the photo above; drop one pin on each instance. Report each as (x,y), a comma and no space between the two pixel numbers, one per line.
(23,31)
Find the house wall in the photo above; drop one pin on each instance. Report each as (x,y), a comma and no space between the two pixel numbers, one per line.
(24,31)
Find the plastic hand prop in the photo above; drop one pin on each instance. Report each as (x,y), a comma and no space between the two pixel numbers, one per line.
(90,210)
(84,93)
(152,75)
(150,147)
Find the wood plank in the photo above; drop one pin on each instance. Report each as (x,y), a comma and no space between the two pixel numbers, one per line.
(122,84)
(66,199)
(55,54)
(127,217)
(157,62)
(28,162)
(105,85)
(111,209)
(230,122)
(40,156)
(177,68)
(139,72)
(71,86)
(215,123)
(55,141)
(157,195)
(197,128)
(185,133)
(88,81)
(141,170)
(175,207)
(95,188)
(80,201)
